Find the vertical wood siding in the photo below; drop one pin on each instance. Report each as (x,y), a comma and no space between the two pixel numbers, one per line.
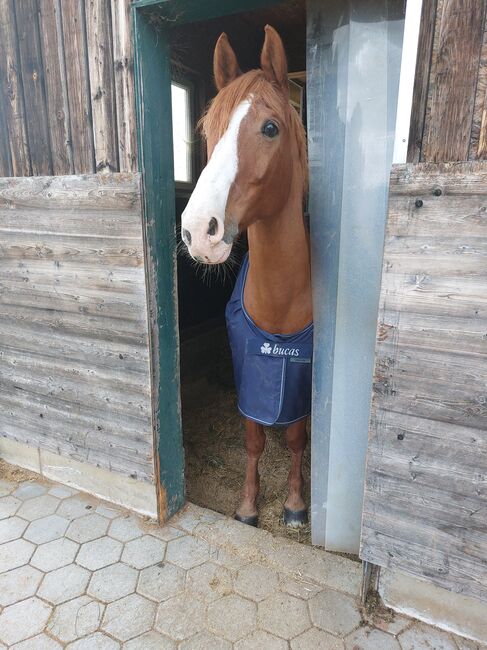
(426,495)
(449,114)
(74,351)
(66,87)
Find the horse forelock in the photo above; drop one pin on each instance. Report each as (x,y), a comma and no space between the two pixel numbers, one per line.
(216,120)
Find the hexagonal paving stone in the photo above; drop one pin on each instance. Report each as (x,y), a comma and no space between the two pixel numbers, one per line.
(209,581)
(180,617)
(11,528)
(467,644)
(75,619)
(261,640)
(334,612)
(64,584)
(28,490)
(22,620)
(299,588)
(392,623)
(187,552)
(18,584)
(161,582)
(62,491)
(366,638)
(113,582)
(46,529)
(39,642)
(96,641)
(166,533)
(144,551)
(205,641)
(129,617)
(15,554)
(232,617)
(74,507)
(256,582)
(108,511)
(9,506)
(6,487)
(55,554)
(86,528)
(423,637)
(38,507)
(125,528)
(99,553)
(229,560)
(315,638)
(151,641)
(283,615)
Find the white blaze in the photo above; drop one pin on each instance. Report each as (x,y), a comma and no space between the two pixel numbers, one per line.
(209,197)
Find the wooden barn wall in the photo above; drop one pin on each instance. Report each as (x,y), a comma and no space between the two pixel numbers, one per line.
(66,87)
(425,499)
(74,354)
(449,114)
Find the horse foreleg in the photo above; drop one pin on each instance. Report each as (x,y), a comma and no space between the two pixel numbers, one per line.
(295,513)
(254,444)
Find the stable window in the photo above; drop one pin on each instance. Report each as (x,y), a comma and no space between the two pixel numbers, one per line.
(182,132)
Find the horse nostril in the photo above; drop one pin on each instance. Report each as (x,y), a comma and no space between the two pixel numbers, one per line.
(213,227)
(186,237)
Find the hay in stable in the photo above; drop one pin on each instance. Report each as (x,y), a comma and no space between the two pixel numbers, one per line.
(215,458)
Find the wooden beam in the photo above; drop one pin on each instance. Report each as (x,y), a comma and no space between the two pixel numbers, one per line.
(76,58)
(153,102)
(123,59)
(55,86)
(422,78)
(32,68)
(454,81)
(100,65)
(11,92)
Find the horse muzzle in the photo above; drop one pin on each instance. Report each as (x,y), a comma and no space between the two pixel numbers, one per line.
(207,245)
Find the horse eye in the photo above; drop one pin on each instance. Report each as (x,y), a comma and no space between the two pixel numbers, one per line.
(270,129)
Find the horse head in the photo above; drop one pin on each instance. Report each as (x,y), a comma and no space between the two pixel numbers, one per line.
(256,152)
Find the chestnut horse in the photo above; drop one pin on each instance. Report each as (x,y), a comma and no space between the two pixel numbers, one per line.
(255,180)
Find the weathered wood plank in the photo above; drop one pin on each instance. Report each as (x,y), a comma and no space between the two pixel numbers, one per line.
(5,161)
(74,356)
(478,135)
(421,80)
(118,192)
(426,496)
(454,80)
(123,59)
(434,332)
(11,92)
(55,86)
(32,68)
(77,75)
(481,151)
(102,84)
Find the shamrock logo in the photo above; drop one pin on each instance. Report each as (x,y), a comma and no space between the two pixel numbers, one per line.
(266,348)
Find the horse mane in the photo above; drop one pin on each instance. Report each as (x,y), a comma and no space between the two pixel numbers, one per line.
(216,119)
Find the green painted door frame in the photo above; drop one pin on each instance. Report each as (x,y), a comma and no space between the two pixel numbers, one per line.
(152,21)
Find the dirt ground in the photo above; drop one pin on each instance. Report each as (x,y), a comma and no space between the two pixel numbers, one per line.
(14,473)
(215,457)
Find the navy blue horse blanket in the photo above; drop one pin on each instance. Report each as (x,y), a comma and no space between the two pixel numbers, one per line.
(272,371)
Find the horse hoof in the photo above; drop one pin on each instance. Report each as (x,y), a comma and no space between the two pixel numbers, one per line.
(250,521)
(295,518)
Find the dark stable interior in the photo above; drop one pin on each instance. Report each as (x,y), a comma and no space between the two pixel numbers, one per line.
(212,426)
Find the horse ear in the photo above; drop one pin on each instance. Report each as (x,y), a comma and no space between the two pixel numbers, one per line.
(273,60)
(225,65)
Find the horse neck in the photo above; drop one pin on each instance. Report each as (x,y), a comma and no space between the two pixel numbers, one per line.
(278,288)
